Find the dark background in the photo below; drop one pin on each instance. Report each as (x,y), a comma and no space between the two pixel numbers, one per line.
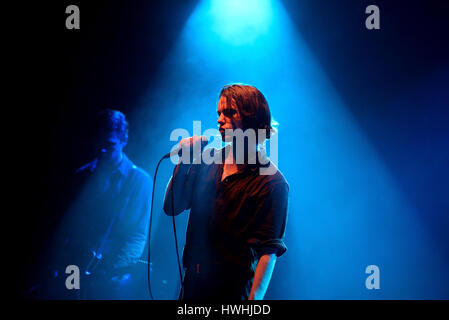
(65,76)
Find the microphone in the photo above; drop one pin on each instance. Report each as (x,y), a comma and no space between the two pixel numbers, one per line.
(178,151)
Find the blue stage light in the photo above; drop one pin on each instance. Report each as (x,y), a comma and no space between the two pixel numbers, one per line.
(238,22)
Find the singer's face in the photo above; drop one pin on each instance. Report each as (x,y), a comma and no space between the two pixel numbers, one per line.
(228,118)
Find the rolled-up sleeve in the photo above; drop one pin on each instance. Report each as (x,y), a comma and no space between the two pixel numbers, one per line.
(271,218)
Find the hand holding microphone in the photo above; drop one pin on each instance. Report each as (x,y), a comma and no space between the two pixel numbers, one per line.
(193,144)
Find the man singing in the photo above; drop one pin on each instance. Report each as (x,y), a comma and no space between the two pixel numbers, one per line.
(237,215)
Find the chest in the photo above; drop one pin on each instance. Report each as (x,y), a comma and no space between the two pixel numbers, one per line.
(225,202)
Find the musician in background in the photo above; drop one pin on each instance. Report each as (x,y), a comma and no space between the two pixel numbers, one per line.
(107,226)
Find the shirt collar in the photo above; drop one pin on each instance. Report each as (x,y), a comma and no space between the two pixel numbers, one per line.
(258,155)
(251,167)
(123,167)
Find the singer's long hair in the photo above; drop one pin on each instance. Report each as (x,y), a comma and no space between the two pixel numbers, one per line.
(252,106)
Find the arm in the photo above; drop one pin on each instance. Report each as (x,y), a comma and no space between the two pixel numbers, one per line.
(267,239)
(262,276)
(135,225)
(177,189)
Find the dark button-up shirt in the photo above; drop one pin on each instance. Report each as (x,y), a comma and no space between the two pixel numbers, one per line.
(235,221)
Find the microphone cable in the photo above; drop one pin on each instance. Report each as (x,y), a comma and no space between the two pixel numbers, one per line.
(174,231)
(176,237)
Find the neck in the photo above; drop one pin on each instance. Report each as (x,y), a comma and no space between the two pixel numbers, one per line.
(231,161)
(111,163)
